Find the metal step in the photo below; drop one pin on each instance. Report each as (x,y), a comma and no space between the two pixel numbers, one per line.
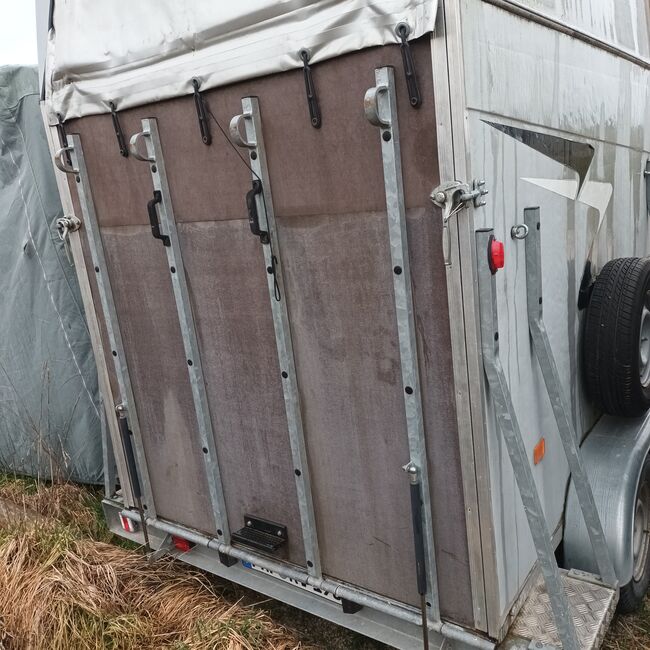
(591,603)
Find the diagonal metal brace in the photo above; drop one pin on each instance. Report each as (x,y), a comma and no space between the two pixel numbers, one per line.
(544,353)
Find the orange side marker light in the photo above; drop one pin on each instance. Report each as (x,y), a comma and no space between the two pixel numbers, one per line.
(539,451)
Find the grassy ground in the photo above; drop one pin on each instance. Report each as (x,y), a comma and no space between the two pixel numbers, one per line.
(67,583)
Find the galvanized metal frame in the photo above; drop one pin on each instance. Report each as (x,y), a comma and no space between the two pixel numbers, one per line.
(568,436)
(251,138)
(509,426)
(79,170)
(155,159)
(386,611)
(450,106)
(381,110)
(74,246)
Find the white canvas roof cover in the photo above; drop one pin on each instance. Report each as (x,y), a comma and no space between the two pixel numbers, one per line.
(135,52)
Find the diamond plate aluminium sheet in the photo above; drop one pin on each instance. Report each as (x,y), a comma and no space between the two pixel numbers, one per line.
(591,605)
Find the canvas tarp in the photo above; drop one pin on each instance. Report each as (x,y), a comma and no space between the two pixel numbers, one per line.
(135,53)
(49,412)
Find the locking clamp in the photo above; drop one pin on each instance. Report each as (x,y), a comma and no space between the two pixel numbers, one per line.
(452,197)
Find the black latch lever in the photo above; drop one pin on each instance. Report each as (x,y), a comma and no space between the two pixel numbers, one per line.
(310,89)
(415,98)
(153,218)
(253,215)
(201,114)
(119,134)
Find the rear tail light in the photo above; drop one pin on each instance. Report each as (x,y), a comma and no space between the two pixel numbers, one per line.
(128,525)
(182,544)
(496,255)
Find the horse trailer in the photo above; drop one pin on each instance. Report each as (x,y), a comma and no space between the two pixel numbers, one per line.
(368,290)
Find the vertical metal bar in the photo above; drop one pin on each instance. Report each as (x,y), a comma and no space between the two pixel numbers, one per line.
(508,424)
(108,455)
(98,258)
(252,139)
(156,162)
(381,110)
(551,376)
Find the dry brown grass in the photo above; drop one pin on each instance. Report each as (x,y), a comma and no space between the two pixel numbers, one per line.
(630,632)
(61,589)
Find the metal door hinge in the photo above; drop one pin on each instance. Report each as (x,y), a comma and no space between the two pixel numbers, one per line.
(452,197)
(201,113)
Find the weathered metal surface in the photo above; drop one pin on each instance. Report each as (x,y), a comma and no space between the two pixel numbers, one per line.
(591,606)
(381,110)
(592,214)
(614,454)
(508,427)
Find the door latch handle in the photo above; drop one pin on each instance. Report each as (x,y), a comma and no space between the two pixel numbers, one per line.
(153,218)
(253,215)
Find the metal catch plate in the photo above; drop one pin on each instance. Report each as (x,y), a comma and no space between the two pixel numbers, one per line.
(592,608)
(261,534)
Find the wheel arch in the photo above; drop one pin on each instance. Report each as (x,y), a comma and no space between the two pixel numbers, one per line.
(613,454)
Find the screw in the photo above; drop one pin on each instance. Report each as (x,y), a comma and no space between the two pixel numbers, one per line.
(249,523)
(440,197)
(279,533)
(253,155)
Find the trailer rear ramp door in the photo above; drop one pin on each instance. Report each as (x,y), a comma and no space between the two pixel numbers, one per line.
(333,250)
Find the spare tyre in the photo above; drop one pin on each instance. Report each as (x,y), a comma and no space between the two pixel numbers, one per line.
(616,342)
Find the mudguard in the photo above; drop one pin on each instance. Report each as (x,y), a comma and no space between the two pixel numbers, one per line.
(613,454)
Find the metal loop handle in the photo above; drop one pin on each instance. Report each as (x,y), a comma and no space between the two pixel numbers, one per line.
(519,231)
(371,106)
(236,132)
(134,147)
(60,162)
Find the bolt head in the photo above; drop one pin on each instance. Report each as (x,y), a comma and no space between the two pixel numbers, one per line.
(439,197)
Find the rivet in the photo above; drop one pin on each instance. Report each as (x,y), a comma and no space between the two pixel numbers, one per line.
(154,169)
(190,362)
(386,136)
(96,269)
(253,155)
(397,270)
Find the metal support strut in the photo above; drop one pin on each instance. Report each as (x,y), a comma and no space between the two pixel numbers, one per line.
(154,157)
(509,426)
(77,167)
(246,132)
(551,377)
(381,110)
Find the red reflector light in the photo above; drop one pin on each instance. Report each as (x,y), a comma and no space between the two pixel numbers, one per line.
(182,544)
(496,255)
(128,525)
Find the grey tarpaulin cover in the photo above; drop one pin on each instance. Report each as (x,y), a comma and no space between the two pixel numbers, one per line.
(49,414)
